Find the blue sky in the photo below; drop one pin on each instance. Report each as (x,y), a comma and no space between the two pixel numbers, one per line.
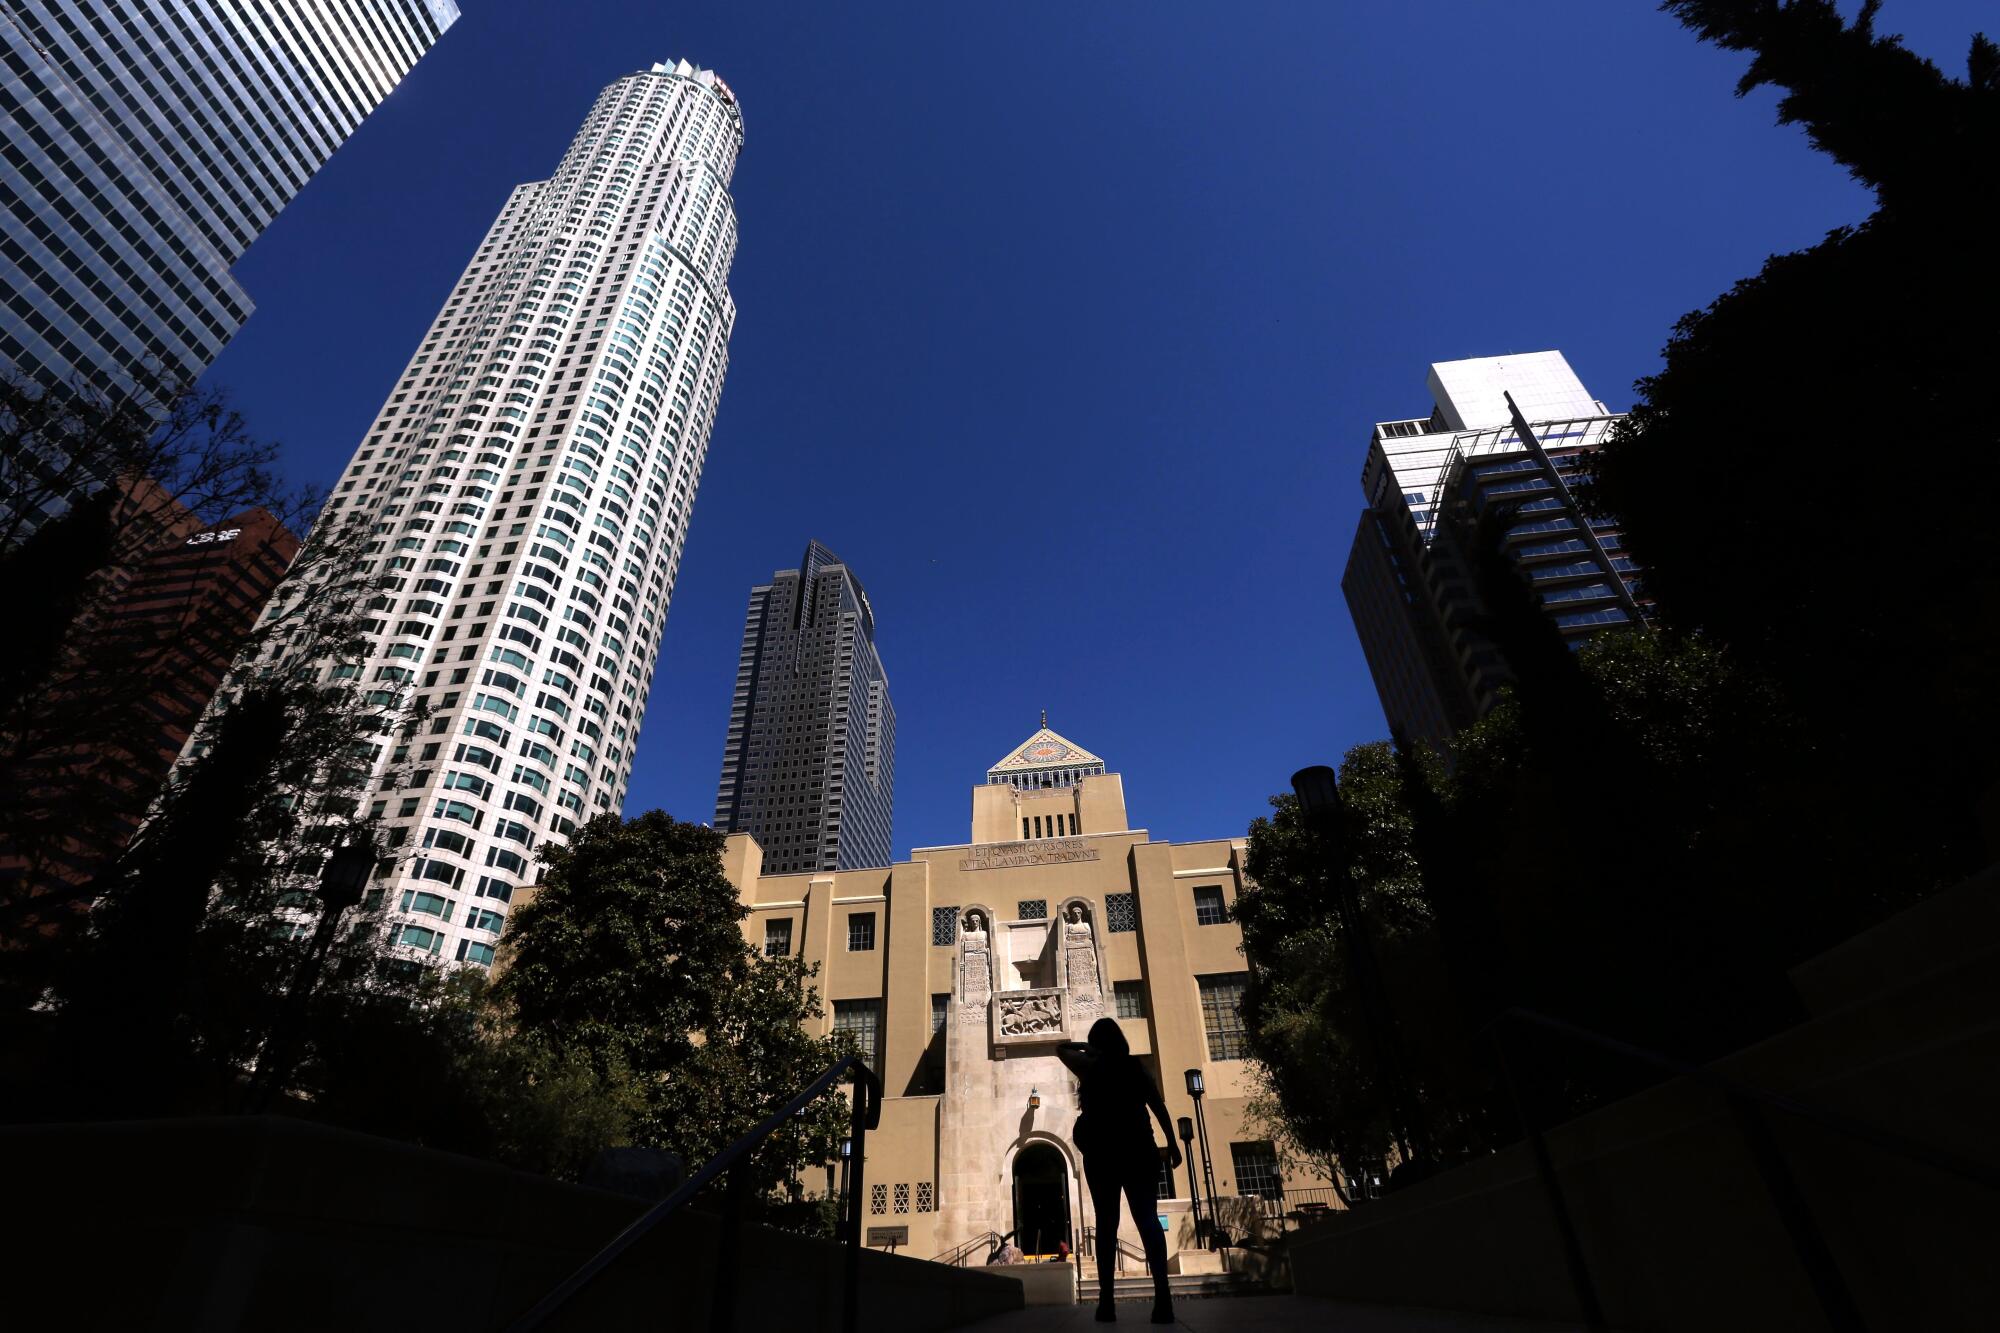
(1065,324)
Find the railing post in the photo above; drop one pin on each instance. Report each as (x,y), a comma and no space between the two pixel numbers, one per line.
(857,1128)
(1588,1306)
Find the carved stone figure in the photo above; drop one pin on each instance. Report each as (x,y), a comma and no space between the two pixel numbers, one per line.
(1079,960)
(975,969)
(1030,1014)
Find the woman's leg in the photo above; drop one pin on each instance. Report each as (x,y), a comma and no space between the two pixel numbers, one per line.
(1142,1193)
(1106,1185)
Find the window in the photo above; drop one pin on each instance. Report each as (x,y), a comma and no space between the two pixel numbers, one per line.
(939,1004)
(1257,1170)
(878,1199)
(860,932)
(1121,913)
(944,925)
(472,952)
(1130,998)
(1222,1014)
(1208,906)
(1033,909)
(902,1197)
(861,1019)
(1165,1188)
(924,1196)
(778,938)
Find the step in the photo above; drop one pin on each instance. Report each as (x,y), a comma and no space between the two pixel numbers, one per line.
(1180,1286)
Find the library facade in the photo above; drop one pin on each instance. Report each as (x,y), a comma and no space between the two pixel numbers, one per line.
(959,969)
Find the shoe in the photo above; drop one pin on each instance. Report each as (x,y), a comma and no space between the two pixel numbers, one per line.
(1107,1312)
(1163,1312)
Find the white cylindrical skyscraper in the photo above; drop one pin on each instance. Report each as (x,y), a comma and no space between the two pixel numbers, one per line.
(528,486)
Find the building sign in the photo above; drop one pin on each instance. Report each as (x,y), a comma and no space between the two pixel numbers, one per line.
(888,1235)
(1006,855)
(216,535)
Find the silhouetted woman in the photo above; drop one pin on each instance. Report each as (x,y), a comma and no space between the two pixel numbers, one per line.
(1119,1156)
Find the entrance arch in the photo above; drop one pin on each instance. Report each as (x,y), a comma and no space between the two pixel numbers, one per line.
(1041,1198)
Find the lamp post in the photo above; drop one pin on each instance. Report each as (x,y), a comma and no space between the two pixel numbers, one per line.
(1195,1089)
(1319,803)
(341,881)
(846,1155)
(1194,1182)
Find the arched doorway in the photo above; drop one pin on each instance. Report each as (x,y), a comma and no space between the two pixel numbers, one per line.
(1041,1199)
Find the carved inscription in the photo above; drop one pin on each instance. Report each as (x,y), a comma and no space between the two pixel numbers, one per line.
(1005,855)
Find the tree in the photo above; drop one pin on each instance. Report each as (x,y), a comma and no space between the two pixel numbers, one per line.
(1302,1013)
(79,745)
(196,928)
(631,952)
(1844,361)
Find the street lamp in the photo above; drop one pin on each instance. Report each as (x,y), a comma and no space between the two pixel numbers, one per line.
(1195,1089)
(1318,791)
(341,883)
(1194,1182)
(846,1156)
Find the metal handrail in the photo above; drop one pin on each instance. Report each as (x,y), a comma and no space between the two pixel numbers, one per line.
(957,1254)
(865,1114)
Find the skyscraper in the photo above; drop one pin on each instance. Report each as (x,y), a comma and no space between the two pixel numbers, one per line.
(147,143)
(810,764)
(1510,430)
(165,618)
(527,487)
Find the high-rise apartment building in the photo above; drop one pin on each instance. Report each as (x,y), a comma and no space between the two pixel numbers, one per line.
(147,143)
(527,488)
(810,764)
(1512,431)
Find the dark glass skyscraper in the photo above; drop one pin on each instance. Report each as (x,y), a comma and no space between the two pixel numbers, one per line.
(144,144)
(810,765)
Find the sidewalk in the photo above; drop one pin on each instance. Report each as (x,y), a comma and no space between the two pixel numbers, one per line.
(1263,1314)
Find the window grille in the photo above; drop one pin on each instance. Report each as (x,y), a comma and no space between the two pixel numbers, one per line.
(1222,1014)
(878,1199)
(1257,1170)
(1130,998)
(1121,913)
(778,938)
(861,1019)
(1033,909)
(944,925)
(926,1201)
(1208,906)
(902,1198)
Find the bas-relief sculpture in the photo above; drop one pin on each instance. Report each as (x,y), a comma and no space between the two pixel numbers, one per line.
(1029,1014)
(1079,963)
(975,969)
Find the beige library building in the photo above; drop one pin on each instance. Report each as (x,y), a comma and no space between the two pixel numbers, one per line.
(959,970)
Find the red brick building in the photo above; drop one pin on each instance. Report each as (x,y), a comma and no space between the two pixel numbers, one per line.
(168,616)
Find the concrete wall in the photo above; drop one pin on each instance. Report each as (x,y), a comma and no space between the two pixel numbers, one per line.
(240,1224)
(1678,1229)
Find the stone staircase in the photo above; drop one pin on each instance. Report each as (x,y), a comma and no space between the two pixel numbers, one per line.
(1183,1286)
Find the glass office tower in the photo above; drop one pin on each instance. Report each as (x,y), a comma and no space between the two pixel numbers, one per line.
(144,144)
(1508,431)
(810,764)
